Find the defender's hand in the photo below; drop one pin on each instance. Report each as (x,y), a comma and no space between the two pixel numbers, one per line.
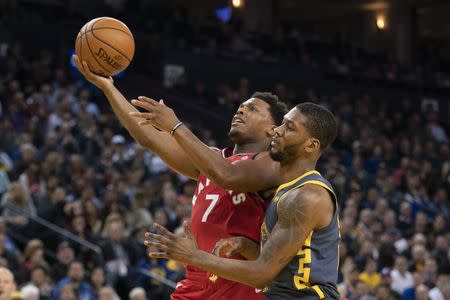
(158,115)
(171,246)
(101,82)
(230,246)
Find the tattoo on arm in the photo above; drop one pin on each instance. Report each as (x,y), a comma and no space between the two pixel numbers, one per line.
(294,216)
(295,222)
(297,217)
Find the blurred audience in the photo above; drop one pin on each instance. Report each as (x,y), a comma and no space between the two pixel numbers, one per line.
(66,159)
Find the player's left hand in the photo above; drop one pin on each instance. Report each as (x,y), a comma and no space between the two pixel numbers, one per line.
(158,114)
(171,246)
(228,247)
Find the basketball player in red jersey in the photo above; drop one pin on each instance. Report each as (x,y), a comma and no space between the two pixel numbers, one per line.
(217,212)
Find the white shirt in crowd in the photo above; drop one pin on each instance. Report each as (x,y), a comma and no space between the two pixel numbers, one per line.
(435,294)
(401,282)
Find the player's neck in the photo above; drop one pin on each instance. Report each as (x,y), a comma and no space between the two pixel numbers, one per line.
(250,147)
(293,169)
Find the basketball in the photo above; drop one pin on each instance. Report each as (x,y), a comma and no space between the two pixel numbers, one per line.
(106,45)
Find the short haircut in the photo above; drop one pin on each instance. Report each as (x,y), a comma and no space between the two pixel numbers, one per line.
(320,122)
(277,108)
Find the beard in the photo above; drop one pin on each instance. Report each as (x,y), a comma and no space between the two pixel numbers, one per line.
(285,155)
(276,155)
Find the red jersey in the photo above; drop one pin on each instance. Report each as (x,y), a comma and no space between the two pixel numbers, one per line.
(219,213)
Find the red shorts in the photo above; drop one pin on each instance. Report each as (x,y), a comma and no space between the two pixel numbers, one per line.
(201,288)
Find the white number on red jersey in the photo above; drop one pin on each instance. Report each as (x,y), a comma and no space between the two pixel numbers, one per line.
(214,199)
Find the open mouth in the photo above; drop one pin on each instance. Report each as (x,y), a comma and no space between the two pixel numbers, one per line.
(274,142)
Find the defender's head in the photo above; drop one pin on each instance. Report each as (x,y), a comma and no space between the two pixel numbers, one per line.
(256,118)
(306,131)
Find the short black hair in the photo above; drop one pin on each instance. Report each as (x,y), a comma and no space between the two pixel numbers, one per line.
(320,122)
(277,108)
(76,261)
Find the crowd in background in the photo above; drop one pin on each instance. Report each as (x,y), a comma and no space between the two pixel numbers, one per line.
(175,28)
(65,159)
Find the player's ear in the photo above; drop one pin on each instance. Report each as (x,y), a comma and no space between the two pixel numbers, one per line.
(271,131)
(312,145)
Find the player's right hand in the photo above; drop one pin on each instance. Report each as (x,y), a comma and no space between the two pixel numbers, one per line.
(229,246)
(99,81)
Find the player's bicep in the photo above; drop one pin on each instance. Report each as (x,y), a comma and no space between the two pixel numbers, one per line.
(296,220)
(253,175)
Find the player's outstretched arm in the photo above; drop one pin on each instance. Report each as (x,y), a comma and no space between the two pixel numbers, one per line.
(250,176)
(302,211)
(160,143)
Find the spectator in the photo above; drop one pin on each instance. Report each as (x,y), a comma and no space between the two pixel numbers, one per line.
(401,278)
(32,181)
(30,292)
(4,178)
(390,225)
(390,163)
(430,272)
(418,258)
(7,284)
(118,255)
(362,291)
(405,220)
(92,217)
(98,279)
(33,257)
(40,282)
(9,244)
(74,279)
(422,292)
(366,251)
(164,268)
(65,255)
(9,256)
(108,293)
(17,207)
(67,293)
(137,294)
(437,293)
(446,291)
(370,276)
(384,292)
(410,293)
(170,204)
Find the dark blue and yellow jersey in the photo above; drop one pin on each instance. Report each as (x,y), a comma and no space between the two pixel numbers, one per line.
(312,272)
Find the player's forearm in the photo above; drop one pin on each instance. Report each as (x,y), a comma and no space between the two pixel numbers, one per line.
(159,142)
(251,273)
(213,166)
(251,250)
(122,107)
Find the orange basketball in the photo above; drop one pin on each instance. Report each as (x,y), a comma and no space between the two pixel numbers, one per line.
(106,45)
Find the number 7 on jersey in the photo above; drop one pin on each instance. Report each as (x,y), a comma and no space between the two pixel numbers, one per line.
(214,199)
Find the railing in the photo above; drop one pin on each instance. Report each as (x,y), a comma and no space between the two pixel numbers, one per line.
(58,230)
(75,239)
(163,280)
